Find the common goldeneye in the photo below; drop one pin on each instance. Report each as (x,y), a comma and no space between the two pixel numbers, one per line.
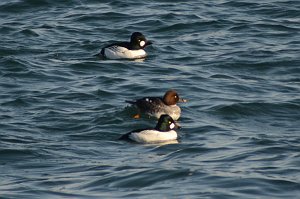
(163,132)
(157,106)
(127,50)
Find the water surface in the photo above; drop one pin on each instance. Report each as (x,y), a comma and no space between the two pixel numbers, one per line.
(62,109)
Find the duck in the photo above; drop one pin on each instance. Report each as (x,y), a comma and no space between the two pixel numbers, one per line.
(157,106)
(164,131)
(127,50)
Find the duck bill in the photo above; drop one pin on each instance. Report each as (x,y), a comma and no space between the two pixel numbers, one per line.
(148,43)
(182,100)
(177,126)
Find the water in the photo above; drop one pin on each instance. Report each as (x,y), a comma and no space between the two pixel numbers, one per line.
(62,110)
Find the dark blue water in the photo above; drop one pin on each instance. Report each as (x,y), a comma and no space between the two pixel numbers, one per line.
(62,110)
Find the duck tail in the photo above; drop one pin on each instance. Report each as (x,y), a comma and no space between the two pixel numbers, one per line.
(125,137)
(130,102)
(100,54)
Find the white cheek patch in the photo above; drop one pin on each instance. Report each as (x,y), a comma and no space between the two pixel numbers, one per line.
(172,126)
(142,43)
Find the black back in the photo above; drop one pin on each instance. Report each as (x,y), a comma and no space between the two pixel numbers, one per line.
(148,103)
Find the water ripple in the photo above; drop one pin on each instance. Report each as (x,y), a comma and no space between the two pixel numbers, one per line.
(62,109)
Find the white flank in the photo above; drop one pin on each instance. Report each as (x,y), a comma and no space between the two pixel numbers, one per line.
(173,111)
(153,136)
(118,52)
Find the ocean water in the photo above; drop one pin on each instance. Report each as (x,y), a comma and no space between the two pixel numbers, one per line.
(62,109)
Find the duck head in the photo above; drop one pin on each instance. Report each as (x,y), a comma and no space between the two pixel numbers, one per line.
(139,41)
(171,97)
(166,123)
